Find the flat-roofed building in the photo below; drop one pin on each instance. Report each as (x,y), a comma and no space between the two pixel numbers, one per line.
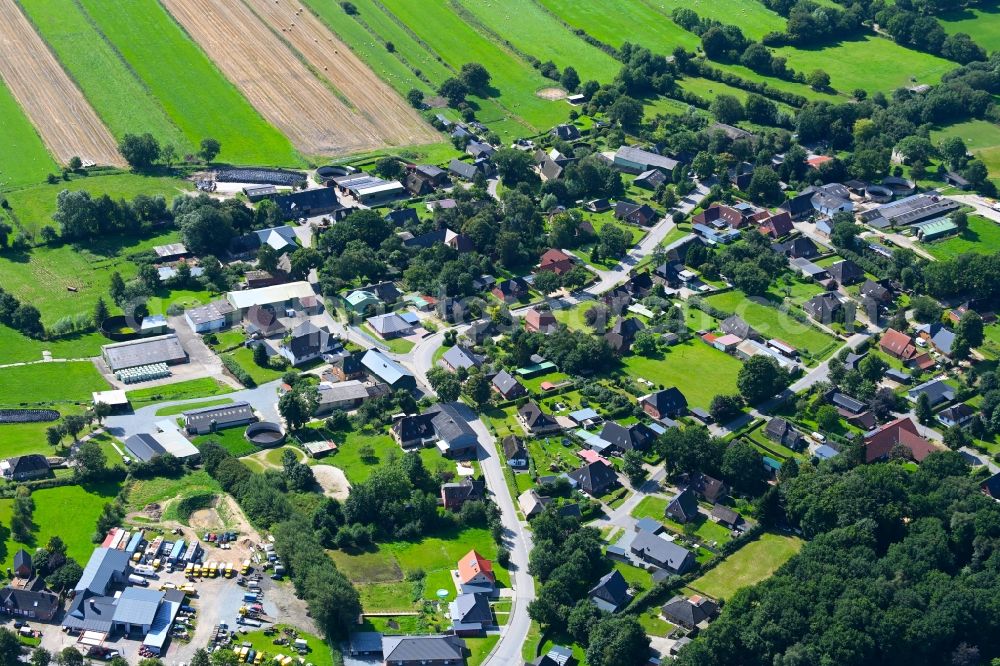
(147,351)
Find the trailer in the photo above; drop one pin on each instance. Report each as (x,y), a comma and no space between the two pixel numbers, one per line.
(249,622)
(250,597)
(112,533)
(175,552)
(133,543)
(116,539)
(192,552)
(153,549)
(123,544)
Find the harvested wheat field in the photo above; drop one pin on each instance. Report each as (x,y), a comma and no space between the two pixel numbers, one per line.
(287,92)
(63,117)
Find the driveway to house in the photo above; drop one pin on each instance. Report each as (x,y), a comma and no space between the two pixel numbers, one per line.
(611,278)
(263,399)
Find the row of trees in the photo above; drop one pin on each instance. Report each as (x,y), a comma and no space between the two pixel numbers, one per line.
(143,151)
(79,216)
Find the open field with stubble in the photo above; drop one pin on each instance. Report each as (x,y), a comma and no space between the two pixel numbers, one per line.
(63,117)
(102,75)
(196,96)
(287,84)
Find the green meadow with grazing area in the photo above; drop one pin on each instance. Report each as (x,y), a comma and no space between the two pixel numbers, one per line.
(17,348)
(981,137)
(24,159)
(445,34)
(871,63)
(50,519)
(537,33)
(615,23)
(194,93)
(102,75)
(980,23)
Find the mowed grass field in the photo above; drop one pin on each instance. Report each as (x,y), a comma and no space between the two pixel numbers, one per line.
(871,63)
(615,23)
(981,137)
(49,383)
(457,42)
(50,519)
(981,236)
(24,159)
(196,96)
(104,78)
(749,565)
(772,323)
(536,32)
(753,18)
(699,371)
(980,23)
(16,348)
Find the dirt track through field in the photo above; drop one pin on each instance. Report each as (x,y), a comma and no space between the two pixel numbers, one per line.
(63,117)
(237,37)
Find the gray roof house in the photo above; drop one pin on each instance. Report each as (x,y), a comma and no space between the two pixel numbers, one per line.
(507,386)
(470,614)
(454,433)
(689,613)
(653,549)
(461,357)
(959,415)
(637,437)
(937,392)
(736,325)
(683,506)
(423,650)
(611,592)
(306,343)
(781,431)
(385,369)
(633,159)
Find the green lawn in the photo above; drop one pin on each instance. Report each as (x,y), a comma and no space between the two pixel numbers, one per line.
(50,383)
(650,507)
(15,347)
(348,456)
(772,323)
(178,409)
(50,519)
(319,651)
(981,236)
(102,75)
(699,371)
(261,375)
(33,206)
(193,92)
(615,23)
(24,158)
(231,439)
(887,65)
(395,345)
(203,387)
(749,565)
(380,574)
(479,648)
(981,137)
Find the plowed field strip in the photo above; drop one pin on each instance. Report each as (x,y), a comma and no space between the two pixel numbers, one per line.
(64,119)
(394,120)
(273,78)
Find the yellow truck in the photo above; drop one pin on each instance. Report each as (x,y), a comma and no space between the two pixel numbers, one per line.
(245,569)
(229,569)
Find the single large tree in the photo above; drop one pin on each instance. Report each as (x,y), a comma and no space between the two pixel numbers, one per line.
(139,151)
(761,378)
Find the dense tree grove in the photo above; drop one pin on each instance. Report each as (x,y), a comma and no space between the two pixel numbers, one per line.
(903,568)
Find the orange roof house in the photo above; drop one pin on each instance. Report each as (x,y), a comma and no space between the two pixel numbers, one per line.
(903,431)
(556,261)
(475,573)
